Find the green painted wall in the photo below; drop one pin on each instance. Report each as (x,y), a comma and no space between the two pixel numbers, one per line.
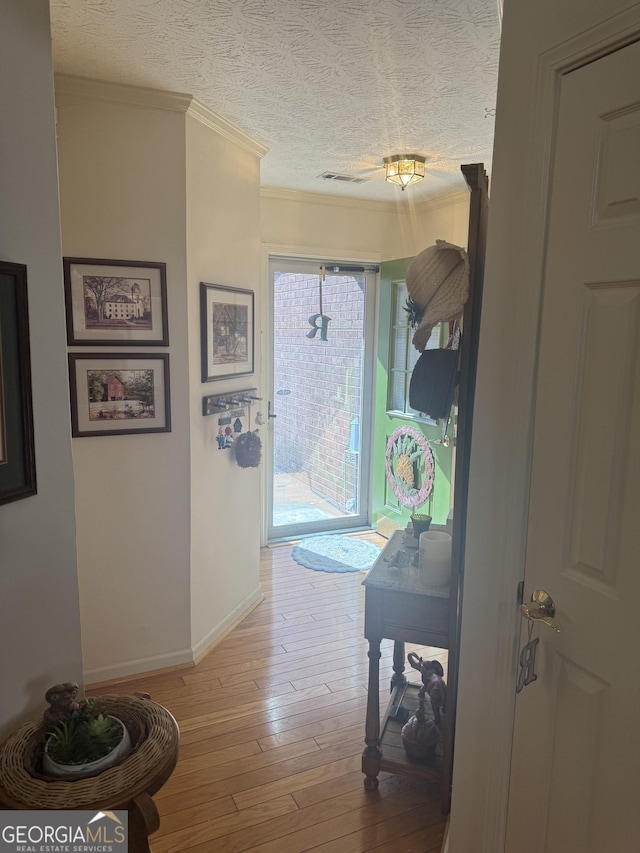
(384,501)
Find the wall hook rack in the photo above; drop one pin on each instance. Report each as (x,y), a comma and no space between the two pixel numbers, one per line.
(215,404)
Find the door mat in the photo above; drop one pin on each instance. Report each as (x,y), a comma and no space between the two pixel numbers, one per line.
(335,553)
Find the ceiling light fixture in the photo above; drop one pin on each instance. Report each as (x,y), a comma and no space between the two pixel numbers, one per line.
(404,169)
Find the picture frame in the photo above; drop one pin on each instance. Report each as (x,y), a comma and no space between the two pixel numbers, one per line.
(119,394)
(17,443)
(117,303)
(227,331)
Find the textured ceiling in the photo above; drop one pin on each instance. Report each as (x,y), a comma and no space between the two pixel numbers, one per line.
(328,85)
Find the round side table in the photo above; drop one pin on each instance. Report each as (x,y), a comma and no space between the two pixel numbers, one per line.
(130,785)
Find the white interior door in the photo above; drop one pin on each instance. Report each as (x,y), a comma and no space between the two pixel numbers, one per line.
(576,758)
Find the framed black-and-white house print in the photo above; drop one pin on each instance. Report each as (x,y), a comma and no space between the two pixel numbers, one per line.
(121,394)
(121,303)
(17,450)
(226,317)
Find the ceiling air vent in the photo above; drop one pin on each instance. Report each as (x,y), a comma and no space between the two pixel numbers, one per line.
(347,179)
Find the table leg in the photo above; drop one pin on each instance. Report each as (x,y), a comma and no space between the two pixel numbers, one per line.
(143,820)
(398,678)
(371,754)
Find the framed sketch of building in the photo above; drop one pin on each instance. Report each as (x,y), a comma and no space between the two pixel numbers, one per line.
(226,316)
(115,302)
(119,394)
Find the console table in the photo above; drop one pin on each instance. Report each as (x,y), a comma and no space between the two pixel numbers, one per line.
(394,607)
(400,607)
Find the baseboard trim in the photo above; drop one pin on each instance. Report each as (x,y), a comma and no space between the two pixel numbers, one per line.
(445,840)
(106,675)
(174,661)
(220,631)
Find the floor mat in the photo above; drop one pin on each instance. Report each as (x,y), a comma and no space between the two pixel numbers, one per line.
(335,553)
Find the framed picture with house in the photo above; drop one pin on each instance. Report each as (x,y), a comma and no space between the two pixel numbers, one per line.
(17,446)
(121,394)
(120,303)
(226,318)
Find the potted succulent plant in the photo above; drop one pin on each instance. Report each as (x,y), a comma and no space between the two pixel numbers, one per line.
(420,522)
(84,741)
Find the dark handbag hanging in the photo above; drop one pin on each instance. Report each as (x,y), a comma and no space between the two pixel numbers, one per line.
(433,382)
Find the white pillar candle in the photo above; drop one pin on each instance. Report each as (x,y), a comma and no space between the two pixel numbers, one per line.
(435,557)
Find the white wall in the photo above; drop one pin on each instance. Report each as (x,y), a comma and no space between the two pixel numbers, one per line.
(223,247)
(122,188)
(166,562)
(39,612)
(338,227)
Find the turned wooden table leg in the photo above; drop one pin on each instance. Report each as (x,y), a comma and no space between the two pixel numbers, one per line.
(143,821)
(398,678)
(371,754)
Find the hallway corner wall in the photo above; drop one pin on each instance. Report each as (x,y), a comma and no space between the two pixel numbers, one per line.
(39,610)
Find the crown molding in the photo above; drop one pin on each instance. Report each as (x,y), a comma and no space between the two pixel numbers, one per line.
(408,208)
(70,90)
(305,197)
(73,90)
(206,116)
(445,200)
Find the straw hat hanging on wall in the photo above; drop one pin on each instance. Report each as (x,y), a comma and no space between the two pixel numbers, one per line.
(438,286)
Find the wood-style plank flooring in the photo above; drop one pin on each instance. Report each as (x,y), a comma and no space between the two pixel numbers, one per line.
(272,728)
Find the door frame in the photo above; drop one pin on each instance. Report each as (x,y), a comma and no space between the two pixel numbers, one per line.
(296,253)
(503,427)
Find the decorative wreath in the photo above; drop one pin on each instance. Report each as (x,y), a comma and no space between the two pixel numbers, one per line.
(248,448)
(407,453)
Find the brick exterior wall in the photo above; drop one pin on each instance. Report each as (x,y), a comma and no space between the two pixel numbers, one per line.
(323,378)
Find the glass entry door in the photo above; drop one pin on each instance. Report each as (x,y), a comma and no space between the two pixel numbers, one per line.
(321,396)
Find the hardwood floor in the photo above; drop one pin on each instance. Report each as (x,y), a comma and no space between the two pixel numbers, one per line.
(272,728)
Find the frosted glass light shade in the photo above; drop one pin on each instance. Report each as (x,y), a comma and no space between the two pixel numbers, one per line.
(404,169)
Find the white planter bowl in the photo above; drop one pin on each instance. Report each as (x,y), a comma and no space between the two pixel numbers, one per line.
(91,768)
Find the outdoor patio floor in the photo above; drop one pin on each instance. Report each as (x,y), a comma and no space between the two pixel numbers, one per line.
(295,502)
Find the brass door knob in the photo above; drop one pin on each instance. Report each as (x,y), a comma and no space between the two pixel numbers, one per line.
(541,609)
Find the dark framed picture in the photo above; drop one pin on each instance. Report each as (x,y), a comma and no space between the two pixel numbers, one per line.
(122,303)
(17,449)
(226,317)
(120,394)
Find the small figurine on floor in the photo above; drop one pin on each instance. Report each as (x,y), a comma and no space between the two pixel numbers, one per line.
(420,735)
(432,683)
